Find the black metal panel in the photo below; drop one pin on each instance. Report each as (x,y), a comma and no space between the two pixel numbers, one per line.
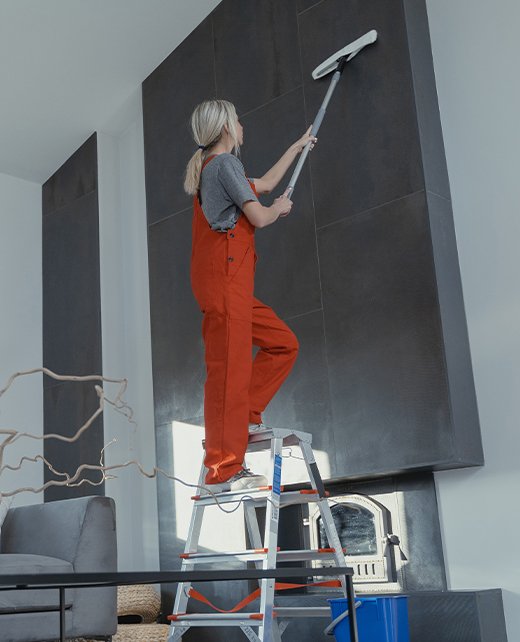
(384,343)
(303,401)
(287,275)
(170,93)
(256,51)
(466,434)
(67,406)
(75,178)
(72,314)
(170,545)
(457,616)
(368,151)
(425,92)
(177,347)
(304,5)
(71,289)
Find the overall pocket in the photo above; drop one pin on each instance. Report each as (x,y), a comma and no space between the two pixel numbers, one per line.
(239,256)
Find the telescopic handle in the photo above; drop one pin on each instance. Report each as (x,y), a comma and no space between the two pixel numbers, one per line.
(314,130)
(305,152)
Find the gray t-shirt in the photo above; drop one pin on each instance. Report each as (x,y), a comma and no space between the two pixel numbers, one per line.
(224,189)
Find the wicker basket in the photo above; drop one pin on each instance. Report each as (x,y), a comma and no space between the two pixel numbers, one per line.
(144,602)
(136,633)
(140,600)
(141,633)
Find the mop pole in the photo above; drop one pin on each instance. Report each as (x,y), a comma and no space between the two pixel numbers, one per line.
(316,125)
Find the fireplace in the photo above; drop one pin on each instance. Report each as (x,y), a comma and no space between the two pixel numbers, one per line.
(372,549)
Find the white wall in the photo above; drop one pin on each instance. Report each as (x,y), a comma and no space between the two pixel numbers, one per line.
(125,318)
(475,51)
(21,407)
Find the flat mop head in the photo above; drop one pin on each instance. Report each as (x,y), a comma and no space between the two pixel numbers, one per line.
(347,52)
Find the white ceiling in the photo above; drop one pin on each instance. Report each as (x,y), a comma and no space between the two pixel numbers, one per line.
(67,65)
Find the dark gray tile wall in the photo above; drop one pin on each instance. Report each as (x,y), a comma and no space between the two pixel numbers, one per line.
(66,407)
(364,269)
(256,51)
(384,342)
(304,401)
(303,5)
(182,80)
(425,93)
(75,178)
(369,151)
(287,270)
(177,348)
(457,616)
(462,395)
(72,315)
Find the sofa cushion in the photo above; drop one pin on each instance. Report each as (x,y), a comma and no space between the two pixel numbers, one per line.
(14,563)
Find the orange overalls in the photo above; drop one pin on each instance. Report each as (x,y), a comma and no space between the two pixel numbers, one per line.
(237,389)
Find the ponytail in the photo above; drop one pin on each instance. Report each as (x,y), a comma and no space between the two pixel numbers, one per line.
(207,122)
(193,172)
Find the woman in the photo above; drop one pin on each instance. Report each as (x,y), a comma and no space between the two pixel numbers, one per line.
(226,213)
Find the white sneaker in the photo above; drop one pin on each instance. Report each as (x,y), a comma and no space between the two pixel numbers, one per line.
(242,480)
(247,479)
(255,428)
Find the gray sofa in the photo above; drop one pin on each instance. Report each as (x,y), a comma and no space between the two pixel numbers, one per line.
(67,536)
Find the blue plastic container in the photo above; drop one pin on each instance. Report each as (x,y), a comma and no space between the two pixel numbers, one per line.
(379,619)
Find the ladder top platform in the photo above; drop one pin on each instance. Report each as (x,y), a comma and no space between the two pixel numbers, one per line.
(261,439)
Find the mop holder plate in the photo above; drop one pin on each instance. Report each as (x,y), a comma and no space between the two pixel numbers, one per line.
(347,52)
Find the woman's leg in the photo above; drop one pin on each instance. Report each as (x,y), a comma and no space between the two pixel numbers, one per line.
(273,362)
(228,345)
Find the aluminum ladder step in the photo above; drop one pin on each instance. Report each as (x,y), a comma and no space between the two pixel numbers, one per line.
(262,440)
(216,619)
(259,554)
(302,611)
(257,495)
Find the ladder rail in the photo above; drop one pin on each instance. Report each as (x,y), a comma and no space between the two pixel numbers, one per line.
(325,512)
(192,541)
(266,632)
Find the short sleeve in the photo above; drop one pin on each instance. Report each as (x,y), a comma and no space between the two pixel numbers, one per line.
(233,179)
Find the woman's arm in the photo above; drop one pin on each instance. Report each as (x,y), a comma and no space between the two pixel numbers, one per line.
(260,216)
(271,178)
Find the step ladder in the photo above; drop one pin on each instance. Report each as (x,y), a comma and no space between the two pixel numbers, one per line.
(271,620)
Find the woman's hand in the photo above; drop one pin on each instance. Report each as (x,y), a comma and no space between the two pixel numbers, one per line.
(300,144)
(282,205)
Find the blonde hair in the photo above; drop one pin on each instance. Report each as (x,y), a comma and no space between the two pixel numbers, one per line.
(207,122)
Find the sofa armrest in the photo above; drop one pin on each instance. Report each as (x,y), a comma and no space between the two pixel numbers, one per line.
(81,531)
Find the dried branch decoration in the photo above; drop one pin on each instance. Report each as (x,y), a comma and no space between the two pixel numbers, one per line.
(9,436)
